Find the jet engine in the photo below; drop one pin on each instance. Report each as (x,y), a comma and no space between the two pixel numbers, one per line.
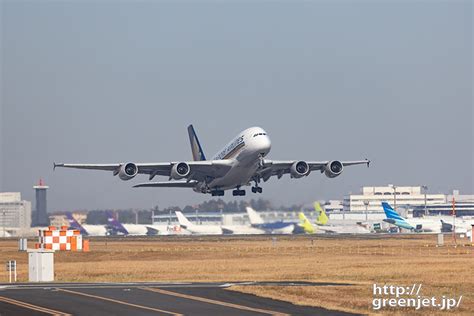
(180,170)
(127,171)
(333,169)
(299,169)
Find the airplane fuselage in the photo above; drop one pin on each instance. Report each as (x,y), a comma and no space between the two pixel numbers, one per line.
(246,151)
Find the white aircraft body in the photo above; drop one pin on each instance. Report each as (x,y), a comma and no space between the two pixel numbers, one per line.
(118,228)
(216,229)
(198,229)
(150,230)
(344,229)
(96,230)
(241,230)
(241,162)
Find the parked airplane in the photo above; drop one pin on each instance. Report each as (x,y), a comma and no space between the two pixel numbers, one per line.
(279,227)
(216,229)
(5,234)
(323,220)
(198,229)
(435,224)
(238,164)
(118,228)
(413,224)
(87,230)
(306,224)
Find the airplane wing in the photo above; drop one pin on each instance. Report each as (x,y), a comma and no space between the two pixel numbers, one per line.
(199,170)
(167,184)
(278,168)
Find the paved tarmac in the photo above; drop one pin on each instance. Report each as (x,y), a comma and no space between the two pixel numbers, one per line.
(146,299)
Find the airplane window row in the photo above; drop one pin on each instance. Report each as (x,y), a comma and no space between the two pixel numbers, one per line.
(259,134)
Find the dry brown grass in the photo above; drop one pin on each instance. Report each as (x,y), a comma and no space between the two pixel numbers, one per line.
(392,260)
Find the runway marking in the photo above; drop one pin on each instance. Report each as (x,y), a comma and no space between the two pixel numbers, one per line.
(120,302)
(32,307)
(207,300)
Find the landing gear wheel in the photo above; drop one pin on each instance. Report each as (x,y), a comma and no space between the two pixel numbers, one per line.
(238,192)
(257,189)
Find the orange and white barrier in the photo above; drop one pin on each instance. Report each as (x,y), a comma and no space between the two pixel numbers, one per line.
(59,239)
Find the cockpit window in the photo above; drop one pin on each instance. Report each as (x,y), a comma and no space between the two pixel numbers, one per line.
(258,134)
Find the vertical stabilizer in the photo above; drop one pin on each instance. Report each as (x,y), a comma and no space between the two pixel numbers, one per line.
(306,224)
(322,217)
(254,217)
(115,225)
(183,221)
(390,212)
(196,149)
(74,224)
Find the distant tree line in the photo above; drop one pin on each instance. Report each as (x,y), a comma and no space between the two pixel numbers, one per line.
(99,217)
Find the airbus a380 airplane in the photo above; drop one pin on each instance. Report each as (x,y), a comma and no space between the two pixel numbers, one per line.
(239,163)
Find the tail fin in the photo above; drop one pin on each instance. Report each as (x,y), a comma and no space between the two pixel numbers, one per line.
(390,212)
(74,224)
(306,224)
(196,148)
(115,225)
(322,217)
(183,221)
(254,217)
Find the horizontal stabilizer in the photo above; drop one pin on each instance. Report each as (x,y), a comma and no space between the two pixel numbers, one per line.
(167,184)
(150,231)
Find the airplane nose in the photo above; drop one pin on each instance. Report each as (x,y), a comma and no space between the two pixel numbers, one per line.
(265,144)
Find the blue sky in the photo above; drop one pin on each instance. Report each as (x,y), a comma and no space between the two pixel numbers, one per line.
(113,81)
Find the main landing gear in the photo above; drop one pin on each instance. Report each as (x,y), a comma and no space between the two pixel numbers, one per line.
(256,189)
(238,192)
(217,193)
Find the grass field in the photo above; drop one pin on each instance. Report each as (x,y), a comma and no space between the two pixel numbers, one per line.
(395,260)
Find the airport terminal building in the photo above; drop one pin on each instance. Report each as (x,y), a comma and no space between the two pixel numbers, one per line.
(463,206)
(371,198)
(15,214)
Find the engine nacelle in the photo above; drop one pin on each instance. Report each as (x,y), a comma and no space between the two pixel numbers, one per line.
(333,169)
(128,171)
(180,170)
(299,169)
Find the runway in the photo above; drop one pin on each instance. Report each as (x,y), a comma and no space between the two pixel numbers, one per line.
(147,299)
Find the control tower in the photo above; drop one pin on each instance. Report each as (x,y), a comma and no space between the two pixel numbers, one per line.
(40,216)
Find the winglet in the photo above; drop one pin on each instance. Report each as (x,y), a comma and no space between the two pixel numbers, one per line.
(57,165)
(368,162)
